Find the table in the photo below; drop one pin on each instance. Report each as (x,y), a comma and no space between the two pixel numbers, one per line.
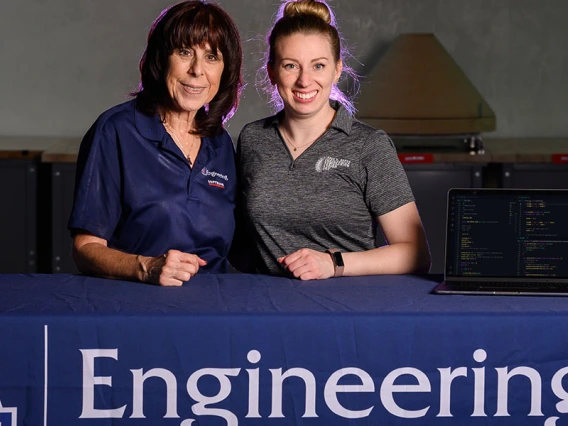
(255,350)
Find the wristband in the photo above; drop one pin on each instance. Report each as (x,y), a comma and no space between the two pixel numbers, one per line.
(337,260)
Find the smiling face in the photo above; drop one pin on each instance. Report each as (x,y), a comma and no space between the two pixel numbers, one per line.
(304,71)
(193,77)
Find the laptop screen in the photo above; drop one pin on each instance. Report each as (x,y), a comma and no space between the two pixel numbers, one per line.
(508,233)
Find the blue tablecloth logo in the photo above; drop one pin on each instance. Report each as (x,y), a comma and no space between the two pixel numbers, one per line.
(395,386)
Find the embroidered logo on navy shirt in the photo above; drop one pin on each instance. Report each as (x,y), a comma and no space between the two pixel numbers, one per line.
(327,163)
(216,177)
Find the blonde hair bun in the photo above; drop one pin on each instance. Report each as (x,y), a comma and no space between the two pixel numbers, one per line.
(308,7)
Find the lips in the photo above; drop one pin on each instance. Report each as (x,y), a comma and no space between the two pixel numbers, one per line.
(305,96)
(193,90)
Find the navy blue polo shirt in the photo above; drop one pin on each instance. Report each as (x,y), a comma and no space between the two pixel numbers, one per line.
(135,189)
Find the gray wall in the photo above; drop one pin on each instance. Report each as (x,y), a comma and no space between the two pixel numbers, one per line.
(65,61)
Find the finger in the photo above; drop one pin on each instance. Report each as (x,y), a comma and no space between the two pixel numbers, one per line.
(184,268)
(300,266)
(307,268)
(298,272)
(170,282)
(289,259)
(179,256)
(309,275)
(172,254)
(302,257)
(182,275)
(191,258)
(177,271)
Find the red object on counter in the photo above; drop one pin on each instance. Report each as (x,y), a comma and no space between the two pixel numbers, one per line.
(420,158)
(560,158)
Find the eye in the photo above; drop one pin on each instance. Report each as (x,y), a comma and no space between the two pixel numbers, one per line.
(212,57)
(185,52)
(289,66)
(319,66)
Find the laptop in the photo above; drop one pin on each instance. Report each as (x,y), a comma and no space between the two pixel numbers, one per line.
(506,242)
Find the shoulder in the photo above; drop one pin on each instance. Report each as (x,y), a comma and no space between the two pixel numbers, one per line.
(222,137)
(118,114)
(359,133)
(372,141)
(259,127)
(222,140)
(371,135)
(108,127)
(252,134)
(112,122)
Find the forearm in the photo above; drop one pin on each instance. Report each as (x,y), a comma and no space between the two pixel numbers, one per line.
(399,258)
(99,260)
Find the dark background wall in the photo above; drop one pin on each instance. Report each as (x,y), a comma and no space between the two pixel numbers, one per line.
(65,61)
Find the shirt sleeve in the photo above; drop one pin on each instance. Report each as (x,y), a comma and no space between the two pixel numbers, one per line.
(383,178)
(97,204)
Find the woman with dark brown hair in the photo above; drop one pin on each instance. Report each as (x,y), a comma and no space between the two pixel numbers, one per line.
(155,184)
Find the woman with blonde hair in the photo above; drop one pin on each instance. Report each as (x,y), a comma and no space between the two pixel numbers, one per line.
(314,181)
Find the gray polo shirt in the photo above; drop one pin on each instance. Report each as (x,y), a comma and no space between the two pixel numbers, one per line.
(328,197)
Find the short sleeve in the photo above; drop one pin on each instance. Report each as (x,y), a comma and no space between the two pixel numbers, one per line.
(383,178)
(97,206)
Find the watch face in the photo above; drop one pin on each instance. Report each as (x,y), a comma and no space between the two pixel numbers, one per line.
(338,259)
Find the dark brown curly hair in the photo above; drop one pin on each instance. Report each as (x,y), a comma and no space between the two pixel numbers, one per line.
(192,23)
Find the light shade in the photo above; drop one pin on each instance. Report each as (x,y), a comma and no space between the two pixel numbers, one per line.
(417,88)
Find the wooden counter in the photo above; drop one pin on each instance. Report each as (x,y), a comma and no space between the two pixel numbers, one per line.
(527,150)
(33,235)
(62,151)
(507,162)
(23,147)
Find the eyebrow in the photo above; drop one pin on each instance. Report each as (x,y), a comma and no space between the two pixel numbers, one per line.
(313,60)
(207,50)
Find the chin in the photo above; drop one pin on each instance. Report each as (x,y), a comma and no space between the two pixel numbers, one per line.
(306,109)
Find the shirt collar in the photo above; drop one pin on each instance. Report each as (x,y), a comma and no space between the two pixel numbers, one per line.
(342,121)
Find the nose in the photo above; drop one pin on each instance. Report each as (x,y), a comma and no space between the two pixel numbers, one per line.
(303,78)
(196,67)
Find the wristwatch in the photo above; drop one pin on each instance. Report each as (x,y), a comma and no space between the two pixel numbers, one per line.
(337,259)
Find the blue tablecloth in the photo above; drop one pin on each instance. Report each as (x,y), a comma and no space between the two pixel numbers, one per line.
(256,350)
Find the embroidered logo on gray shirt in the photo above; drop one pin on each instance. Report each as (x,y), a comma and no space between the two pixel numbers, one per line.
(327,163)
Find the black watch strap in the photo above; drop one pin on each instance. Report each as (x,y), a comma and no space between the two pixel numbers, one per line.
(337,259)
